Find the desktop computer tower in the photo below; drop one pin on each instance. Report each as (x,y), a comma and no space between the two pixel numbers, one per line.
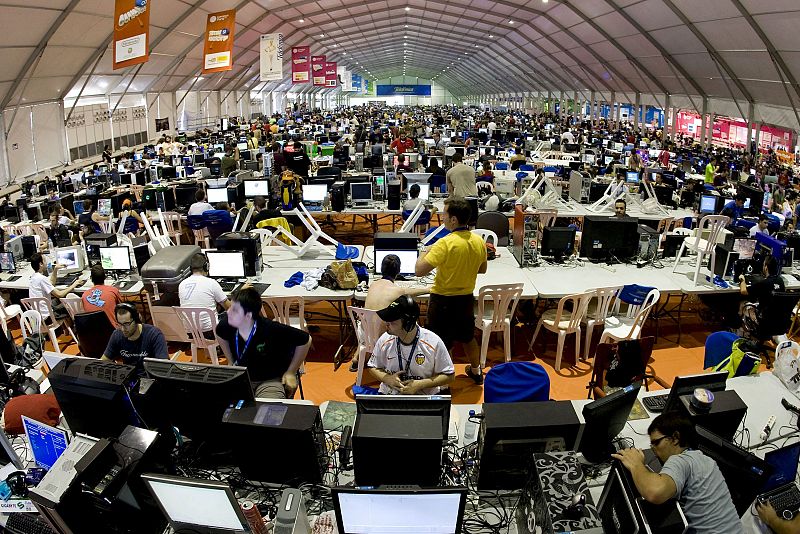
(723,419)
(725,260)
(393,195)
(338,196)
(648,242)
(276,442)
(360,162)
(247,243)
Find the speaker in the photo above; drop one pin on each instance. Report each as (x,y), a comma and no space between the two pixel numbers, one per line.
(338,195)
(393,195)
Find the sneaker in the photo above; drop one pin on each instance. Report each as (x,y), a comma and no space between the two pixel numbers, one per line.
(477,378)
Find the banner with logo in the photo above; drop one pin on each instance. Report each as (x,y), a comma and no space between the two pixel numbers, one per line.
(271,57)
(404,90)
(345,79)
(301,64)
(365,86)
(330,74)
(131,32)
(318,70)
(218,48)
(356,82)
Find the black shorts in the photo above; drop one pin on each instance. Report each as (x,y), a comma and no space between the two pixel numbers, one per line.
(452,318)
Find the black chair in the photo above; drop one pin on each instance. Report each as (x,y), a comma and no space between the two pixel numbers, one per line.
(93,330)
(776,317)
(496,222)
(328,172)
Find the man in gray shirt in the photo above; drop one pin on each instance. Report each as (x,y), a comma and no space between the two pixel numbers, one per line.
(461,179)
(687,475)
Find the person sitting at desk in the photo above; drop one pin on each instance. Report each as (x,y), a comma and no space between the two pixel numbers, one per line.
(261,212)
(57,233)
(271,351)
(402,164)
(101,296)
(761,226)
(422,364)
(413,198)
(133,340)
(759,294)
(200,204)
(90,218)
(434,169)
(687,475)
(298,161)
(43,286)
(734,208)
(200,291)
(402,144)
(620,208)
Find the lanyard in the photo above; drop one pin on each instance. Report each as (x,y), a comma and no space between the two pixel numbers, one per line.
(460,228)
(410,354)
(239,355)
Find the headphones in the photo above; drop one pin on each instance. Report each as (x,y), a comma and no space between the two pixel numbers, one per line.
(16,483)
(130,308)
(410,310)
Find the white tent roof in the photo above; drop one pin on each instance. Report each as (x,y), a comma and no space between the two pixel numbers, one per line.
(740,51)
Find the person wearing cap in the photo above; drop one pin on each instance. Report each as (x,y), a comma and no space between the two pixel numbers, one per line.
(409,359)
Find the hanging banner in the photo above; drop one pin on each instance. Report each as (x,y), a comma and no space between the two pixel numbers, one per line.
(345,79)
(356,82)
(365,86)
(410,90)
(301,64)
(218,47)
(131,32)
(271,57)
(330,74)
(318,70)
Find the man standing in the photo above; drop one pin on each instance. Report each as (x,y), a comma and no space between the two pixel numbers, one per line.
(711,171)
(402,144)
(461,179)
(200,291)
(133,341)
(687,475)
(298,161)
(409,359)
(458,259)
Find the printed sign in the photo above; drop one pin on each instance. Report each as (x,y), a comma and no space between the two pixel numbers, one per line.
(218,48)
(131,32)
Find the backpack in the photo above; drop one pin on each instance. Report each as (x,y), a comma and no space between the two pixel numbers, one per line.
(742,360)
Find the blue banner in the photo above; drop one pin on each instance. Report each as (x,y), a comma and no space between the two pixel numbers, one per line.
(357,82)
(404,90)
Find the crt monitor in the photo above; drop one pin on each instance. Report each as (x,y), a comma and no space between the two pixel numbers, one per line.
(70,258)
(607,160)
(361,192)
(557,241)
(408,260)
(184,195)
(215,169)
(605,418)
(217,194)
(256,188)
(607,237)
(314,193)
(366,511)
(7,264)
(632,177)
(754,195)
(685,385)
(116,259)
(227,264)
(708,204)
(197,505)
(588,159)
(437,406)
(46,443)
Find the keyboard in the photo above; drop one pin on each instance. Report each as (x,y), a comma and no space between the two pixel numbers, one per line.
(312,207)
(656,403)
(27,523)
(124,284)
(66,280)
(785,500)
(229,287)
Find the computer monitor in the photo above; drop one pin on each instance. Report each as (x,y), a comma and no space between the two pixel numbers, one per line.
(609,237)
(605,418)
(197,505)
(217,194)
(744,247)
(557,241)
(632,177)
(15,246)
(783,464)
(215,168)
(361,192)
(589,159)
(685,385)
(77,207)
(437,406)
(71,259)
(115,258)
(46,442)
(7,264)
(256,188)
(225,264)
(377,149)
(437,159)
(185,195)
(607,160)
(315,193)
(408,260)
(708,204)
(104,206)
(424,191)
(169,173)
(620,511)
(365,511)
(754,194)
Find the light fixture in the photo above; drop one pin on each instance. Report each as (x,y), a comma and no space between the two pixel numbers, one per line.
(408,8)
(405,26)
(405,37)
(491,36)
(302,21)
(511,22)
(322,35)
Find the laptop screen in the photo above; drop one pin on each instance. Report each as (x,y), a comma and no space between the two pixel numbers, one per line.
(784,466)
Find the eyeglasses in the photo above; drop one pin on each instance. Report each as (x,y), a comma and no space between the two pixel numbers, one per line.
(127,325)
(654,442)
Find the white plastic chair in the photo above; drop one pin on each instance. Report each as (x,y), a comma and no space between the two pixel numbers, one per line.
(282,311)
(51,324)
(172,221)
(713,224)
(563,322)
(30,322)
(192,319)
(74,304)
(597,312)
(495,309)
(628,325)
(486,235)
(9,312)
(368,328)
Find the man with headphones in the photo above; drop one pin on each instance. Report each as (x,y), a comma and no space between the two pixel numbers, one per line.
(133,341)
(200,291)
(409,359)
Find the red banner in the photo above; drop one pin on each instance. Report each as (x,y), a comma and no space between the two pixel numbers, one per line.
(330,74)
(131,32)
(218,48)
(318,70)
(301,64)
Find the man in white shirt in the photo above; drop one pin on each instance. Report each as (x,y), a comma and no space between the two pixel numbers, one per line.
(201,204)
(761,227)
(200,291)
(44,286)
(568,137)
(409,359)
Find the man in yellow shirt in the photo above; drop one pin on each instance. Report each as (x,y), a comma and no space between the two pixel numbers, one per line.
(458,259)
(711,171)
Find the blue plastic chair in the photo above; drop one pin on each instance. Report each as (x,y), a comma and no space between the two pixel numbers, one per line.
(718,347)
(218,222)
(196,222)
(528,168)
(424,218)
(516,382)
(501,166)
(551,169)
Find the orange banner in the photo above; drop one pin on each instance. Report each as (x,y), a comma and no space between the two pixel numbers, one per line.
(131,32)
(218,48)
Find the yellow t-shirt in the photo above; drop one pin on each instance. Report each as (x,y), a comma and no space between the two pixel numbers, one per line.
(457,258)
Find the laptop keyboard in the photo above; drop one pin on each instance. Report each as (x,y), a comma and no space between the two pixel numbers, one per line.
(656,403)
(66,280)
(784,499)
(229,287)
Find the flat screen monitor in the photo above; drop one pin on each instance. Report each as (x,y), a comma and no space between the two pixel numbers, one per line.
(70,258)
(745,247)
(783,463)
(217,194)
(227,264)
(169,173)
(361,192)
(408,260)
(558,241)
(632,177)
(605,418)
(708,204)
(46,442)
(104,206)
(589,159)
(115,258)
(184,196)
(196,505)
(256,188)
(7,264)
(315,192)
(241,146)
(417,405)
(8,455)
(606,237)
(370,511)
(685,385)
